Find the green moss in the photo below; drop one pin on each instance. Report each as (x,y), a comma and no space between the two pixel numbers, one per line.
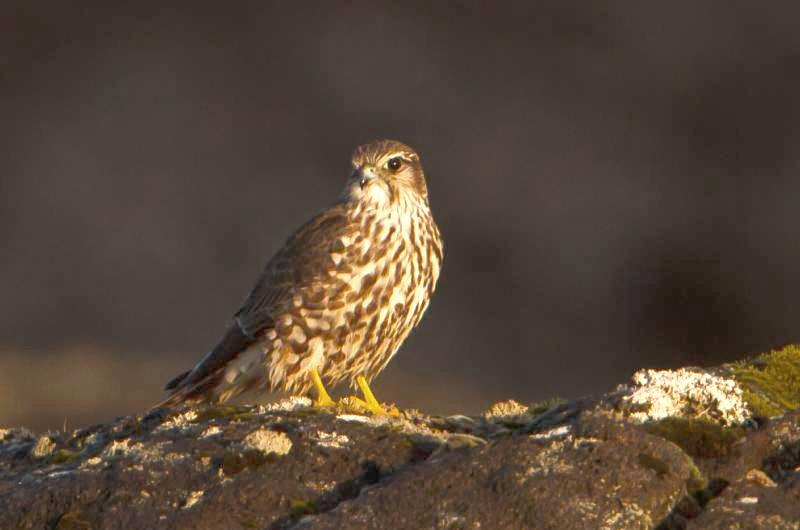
(62,455)
(699,438)
(540,407)
(300,507)
(770,381)
(696,484)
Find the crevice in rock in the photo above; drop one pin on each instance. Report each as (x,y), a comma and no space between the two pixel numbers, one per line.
(352,488)
(692,505)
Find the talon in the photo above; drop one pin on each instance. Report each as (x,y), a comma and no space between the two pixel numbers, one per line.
(369,402)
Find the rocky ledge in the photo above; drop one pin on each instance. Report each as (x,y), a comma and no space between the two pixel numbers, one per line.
(689,448)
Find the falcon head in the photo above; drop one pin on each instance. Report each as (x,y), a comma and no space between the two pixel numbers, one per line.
(387,173)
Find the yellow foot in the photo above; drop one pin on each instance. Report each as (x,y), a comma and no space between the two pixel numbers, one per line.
(369,402)
(323,398)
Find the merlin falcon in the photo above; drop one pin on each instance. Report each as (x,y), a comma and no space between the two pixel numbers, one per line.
(341,295)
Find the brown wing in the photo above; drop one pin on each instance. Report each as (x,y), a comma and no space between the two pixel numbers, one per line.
(303,260)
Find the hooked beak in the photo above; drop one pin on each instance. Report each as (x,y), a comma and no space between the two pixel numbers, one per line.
(364,175)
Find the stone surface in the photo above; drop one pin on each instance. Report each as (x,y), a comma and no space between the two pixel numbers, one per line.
(594,475)
(764,481)
(590,463)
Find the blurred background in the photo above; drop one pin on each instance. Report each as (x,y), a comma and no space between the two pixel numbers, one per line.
(617,185)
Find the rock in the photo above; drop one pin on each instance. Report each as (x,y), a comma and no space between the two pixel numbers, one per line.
(671,449)
(766,495)
(593,475)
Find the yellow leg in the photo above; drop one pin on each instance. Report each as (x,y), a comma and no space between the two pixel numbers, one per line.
(370,403)
(323,398)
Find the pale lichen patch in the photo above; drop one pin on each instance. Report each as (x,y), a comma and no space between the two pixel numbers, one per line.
(355,418)
(192,499)
(286,405)
(550,460)
(94,461)
(509,412)
(174,457)
(759,477)
(321,486)
(139,450)
(92,439)
(630,515)
(179,421)
(118,447)
(556,432)
(268,441)
(331,439)
(685,393)
(44,446)
(448,519)
(61,473)
(211,431)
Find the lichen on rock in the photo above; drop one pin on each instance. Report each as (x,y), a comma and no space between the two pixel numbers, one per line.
(44,446)
(685,393)
(674,449)
(268,442)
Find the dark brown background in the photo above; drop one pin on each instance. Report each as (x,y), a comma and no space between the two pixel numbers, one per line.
(617,186)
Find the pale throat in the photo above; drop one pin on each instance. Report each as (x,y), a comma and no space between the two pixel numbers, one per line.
(378,196)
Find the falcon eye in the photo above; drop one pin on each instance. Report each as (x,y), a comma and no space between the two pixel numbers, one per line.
(395,163)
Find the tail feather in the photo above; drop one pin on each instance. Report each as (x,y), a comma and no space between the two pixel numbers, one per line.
(190,394)
(175,383)
(198,383)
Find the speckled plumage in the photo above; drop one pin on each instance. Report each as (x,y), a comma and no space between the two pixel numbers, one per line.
(341,295)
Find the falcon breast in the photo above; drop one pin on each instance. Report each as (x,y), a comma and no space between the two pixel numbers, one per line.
(341,295)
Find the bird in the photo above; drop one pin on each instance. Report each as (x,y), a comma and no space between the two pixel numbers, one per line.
(339,298)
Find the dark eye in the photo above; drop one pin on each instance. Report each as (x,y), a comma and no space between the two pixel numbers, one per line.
(395,163)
